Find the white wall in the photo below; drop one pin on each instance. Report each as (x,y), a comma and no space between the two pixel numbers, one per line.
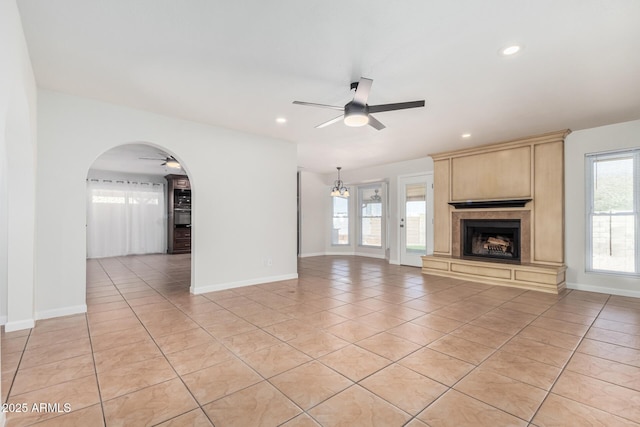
(577,144)
(388,173)
(243,186)
(17,172)
(313,211)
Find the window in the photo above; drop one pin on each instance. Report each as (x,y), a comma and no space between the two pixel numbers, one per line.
(125,218)
(370,216)
(613,223)
(340,232)
(415,226)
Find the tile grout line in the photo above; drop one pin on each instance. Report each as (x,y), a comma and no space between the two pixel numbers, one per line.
(492,353)
(163,354)
(15,374)
(236,357)
(378,286)
(564,367)
(569,360)
(93,357)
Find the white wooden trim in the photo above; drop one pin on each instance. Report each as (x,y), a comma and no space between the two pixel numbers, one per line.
(231,285)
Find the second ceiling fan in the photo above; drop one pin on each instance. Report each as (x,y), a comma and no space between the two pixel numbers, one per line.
(357,112)
(168,161)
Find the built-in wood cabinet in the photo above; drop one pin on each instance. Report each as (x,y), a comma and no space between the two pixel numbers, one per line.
(548,199)
(501,174)
(441,208)
(530,170)
(178,214)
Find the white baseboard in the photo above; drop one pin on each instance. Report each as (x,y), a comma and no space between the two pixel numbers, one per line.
(394,261)
(312,254)
(368,255)
(350,253)
(59,312)
(19,325)
(231,285)
(604,290)
(340,253)
(3,320)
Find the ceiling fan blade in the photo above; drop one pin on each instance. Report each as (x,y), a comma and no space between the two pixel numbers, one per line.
(375,123)
(330,122)
(151,158)
(362,92)
(398,106)
(311,104)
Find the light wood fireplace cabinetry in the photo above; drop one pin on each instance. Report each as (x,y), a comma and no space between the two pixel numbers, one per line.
(529,170)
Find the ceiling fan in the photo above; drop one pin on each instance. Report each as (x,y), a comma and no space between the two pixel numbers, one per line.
(357,112)
(168,161)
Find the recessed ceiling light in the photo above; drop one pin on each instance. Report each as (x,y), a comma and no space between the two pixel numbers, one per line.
(510,50)
(466,135)
(281,120)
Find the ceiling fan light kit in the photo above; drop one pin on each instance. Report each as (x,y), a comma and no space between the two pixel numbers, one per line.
(172,163)
(168,161)
(356,119)
(356,112)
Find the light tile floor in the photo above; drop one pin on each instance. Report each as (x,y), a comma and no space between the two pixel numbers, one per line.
(353,342)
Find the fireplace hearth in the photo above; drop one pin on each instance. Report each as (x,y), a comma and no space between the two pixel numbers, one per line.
(491,239)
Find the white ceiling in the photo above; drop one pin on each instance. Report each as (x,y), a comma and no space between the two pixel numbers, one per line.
(135,158)
(240,64)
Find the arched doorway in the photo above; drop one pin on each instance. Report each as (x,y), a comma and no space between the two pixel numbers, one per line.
(132,223)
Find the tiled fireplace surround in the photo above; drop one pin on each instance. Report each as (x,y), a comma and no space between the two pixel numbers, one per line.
(525,229)
(530,169)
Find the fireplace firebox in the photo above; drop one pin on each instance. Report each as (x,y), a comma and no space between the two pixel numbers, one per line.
(491,239)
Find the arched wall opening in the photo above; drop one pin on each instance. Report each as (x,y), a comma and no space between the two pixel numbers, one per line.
(130,210)
(235,233)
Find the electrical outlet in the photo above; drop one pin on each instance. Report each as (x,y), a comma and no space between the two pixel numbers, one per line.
(269,262)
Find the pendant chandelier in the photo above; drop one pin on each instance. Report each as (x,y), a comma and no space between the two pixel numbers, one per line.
(339,190)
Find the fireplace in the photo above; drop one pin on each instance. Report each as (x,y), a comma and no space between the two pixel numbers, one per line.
(510,196)
(497,239)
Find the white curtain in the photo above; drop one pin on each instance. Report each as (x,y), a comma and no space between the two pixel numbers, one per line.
(125,218)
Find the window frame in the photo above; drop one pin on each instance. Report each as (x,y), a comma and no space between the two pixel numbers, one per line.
(361,189)
(590,160)
(333,217)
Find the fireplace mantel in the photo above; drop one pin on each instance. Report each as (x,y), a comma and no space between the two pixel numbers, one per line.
(484,181)
(483,204)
